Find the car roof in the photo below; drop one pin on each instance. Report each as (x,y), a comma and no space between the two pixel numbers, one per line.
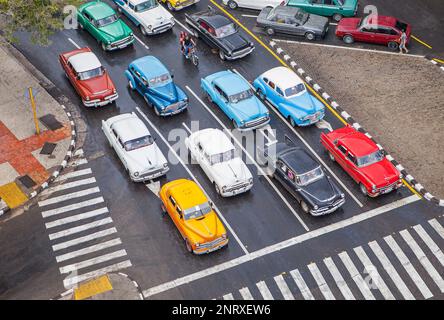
(84,61)
(357,142)
(283,77)
(231,83)
(136,2)
(214,141)
(99,10)
(382,20)
(299,160)
(130,128)
(187,194)
(149,66)
(216,20)
(287,11)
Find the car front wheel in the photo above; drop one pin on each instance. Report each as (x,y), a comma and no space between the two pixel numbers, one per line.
(188,245)
(310,36)
(222,55)
(103,45)
(348,39)
(232,5)
(143,30)
(363,189)
(305,207)
(270,31)
(337,17)
(292,122)
(217,188)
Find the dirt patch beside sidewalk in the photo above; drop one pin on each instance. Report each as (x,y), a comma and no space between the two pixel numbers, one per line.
(397,98)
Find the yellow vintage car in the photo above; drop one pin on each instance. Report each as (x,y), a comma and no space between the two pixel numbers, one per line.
(193,215)
(175,5)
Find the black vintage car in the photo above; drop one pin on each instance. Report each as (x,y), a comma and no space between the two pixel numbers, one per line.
(304,178)
(220,33)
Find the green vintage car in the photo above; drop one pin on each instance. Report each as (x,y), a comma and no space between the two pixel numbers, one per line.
(102,22)
(329,8)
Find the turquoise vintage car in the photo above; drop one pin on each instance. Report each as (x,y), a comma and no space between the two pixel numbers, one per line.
(329,8)
(102,22)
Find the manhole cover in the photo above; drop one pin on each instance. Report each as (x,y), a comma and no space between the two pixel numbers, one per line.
(48,148)
(27,181)
(51,122)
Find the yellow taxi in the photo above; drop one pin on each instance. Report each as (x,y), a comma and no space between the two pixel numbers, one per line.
(175,5)
(193,215)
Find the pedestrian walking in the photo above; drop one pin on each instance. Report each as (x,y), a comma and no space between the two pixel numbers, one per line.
(403,42)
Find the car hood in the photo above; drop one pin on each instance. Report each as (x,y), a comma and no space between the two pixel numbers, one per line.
(304,102)
(231,172)
(235,42)
(205,227)
(168,92)
(381,173)
(322,191)
(146,158)
(316,22)
(116,30)
(97,85)
(249,109)
(154,16)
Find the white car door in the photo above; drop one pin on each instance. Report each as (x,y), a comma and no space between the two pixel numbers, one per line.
(204,162)
(119,148)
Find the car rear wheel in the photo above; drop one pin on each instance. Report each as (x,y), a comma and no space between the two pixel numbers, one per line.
(269,31)
(305,207)
(222,55)
(331,156)
(310,36)
(363,189)
(393,45)
(188,245)
(348,39)
(232,5)
(337,17)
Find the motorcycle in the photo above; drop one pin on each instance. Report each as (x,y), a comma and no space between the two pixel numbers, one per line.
(191,55)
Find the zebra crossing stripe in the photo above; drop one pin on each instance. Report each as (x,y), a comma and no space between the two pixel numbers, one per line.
(297,277)
(77,229)
(340,282)
(90,249)
(356,276)
(388,267)
(438,227)
(69,185)
(93,236)
(408,267)
(69,196)
(263,289)
(76,217)
(228,296)
(423,259)
(373,272)
(74,174)
(72,207)
(90,262)
(430,243)
(322,284)
(282,285)
(246,294)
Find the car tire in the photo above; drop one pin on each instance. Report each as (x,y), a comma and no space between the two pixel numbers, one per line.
(292,122)
(363,189)
(103,45)
(222,55)
(119,9)
(210,100)
(188,246)
(392,45)
(216,187)
(81,26)
(269,31)
(130,84)
(332,157)
(156,111)
(170,6)
(261,94)
(232,5)
(337,17)
(143,30)
(305,207)
(162,207)
(348,39)
(235,124)
(310,36)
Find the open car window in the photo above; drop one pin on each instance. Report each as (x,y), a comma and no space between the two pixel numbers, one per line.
(370,159)
(138,143)
(197,211)
(91,73)
(106,21)
(236,98)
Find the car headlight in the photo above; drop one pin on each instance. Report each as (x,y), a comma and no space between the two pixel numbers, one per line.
(149,27)
(315,207)
(114,91)
(172,19)
(373,188)
(224,236)
(165,165)
(136,174)
(197,244)
(342,195)
(224,188)
(242,121)
(251,44)
(250,180)
(87,98)
(401,177)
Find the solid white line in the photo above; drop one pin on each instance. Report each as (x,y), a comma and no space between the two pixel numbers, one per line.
(280,246)
(340,282)
(227,131)
(356,276)
(90,262)
(94,248)
(70,185)
(228,296)
(297,277)
(437,226)
(76,217)
(246,294)
(263,289)
(391,271)
(71,207)
(194,178)
(373,272)
(249,16)
(93,236)
(282,285)
(74,174)
(309,148)
(68,196)
(423,259)
(322,284)
(70,281)
(73,42)
(77,229)
(141,42)
(430,243)
(408,267)
(184,26)
(78,162)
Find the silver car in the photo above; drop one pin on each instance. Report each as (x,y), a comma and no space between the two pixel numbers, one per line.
(292,21)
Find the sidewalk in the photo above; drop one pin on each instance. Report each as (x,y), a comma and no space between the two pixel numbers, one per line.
(28,160)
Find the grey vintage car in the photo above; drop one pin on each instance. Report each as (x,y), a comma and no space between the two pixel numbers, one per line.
(292,21)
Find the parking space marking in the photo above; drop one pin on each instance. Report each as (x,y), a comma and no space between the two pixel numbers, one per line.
(421,42)
(141,42)
(74,43)
(244,249)
(183,26)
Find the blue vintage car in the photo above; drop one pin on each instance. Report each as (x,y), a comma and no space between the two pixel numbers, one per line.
(287,92)
(154,82)
(234,96)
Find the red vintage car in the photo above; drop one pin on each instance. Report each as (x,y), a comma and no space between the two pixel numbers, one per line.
(373,29)
(363,160)
(88,77)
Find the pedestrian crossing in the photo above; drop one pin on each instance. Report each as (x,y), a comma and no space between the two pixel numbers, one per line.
(80,228)
(406,265)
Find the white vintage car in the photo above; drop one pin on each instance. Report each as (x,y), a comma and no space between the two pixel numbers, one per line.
(252,4)
(217,157)
(148,15)
(135,146)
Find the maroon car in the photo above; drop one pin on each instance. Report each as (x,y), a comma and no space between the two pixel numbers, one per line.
(373,29)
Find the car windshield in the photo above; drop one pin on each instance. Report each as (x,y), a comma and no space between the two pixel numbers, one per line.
(106,21)
(197,211)
(91,73)
(301,16)
(236,98)
(293,91)
(370,158)
(160,80)
(147,5)
(225,31)
(138,143)
(309,177)
(222,157)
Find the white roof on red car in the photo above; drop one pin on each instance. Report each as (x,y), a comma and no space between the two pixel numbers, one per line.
(84,61)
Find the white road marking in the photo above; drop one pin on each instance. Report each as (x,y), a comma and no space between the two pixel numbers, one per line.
(251,159)
(322,284)
(333,24)
(77,229)
(246,294)
(141,42)
(77,162)
(263,289)
(376,277)
(310,148)
(154,187)
(423,259)
(68,196)
(437,226)
(340,282)
(93,248)
(93,236)
(70,185)
(408,267)
(195,179)
(79,153)
(184,26)
(356,276)
(74,43)
(279,246)
(228,296)
(76,217)
(297,277)
(324,124)
(430,243)
(72,280)
(391,271)
(283,287)
(74,174)
(90,262)
(71,207)
(249,16)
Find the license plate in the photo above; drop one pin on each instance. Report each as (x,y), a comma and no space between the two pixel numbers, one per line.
(387,190)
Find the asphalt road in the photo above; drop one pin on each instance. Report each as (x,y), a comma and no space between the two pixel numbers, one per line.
(263,218)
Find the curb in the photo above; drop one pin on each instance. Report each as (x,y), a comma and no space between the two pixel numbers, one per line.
(430,58)
(349,119)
